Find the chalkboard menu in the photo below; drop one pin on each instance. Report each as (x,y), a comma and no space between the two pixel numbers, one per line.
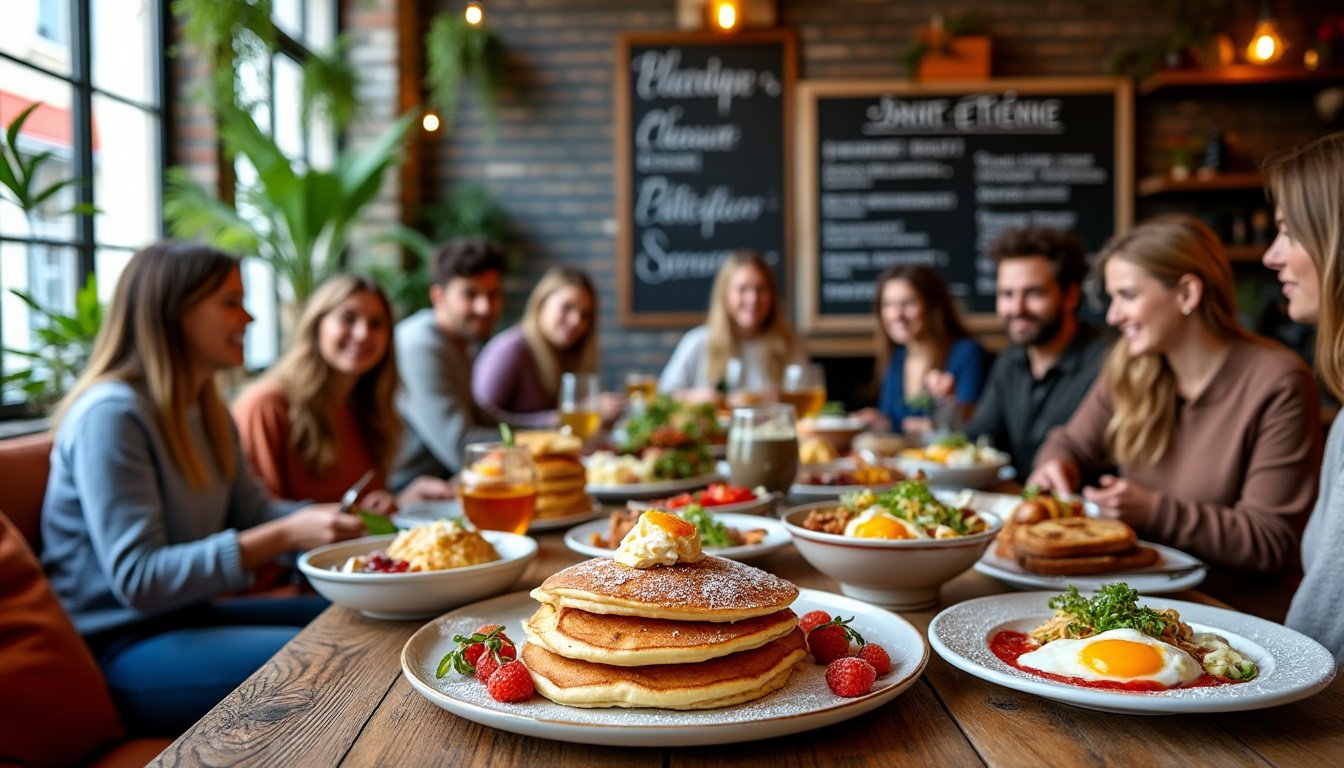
(702,151)
(901,173)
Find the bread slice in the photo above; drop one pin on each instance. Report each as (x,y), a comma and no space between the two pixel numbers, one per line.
(1138,557)
(1074,537)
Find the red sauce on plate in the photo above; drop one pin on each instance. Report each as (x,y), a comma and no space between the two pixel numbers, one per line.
(1008,646)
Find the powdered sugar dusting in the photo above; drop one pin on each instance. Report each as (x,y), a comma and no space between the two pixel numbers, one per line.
(714,583)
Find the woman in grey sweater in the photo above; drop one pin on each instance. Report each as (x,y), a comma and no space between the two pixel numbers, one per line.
(1307,185)
(150,509)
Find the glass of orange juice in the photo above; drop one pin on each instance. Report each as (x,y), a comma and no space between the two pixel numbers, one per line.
(579,404)
(804,388)
(499,487)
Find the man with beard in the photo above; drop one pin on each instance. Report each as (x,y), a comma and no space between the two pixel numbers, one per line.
(1036,383)
(434,357)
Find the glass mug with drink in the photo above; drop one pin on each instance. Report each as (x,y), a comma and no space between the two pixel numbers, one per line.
(644,385)
(499,487)
(804,388)
(763,447)
(579,404)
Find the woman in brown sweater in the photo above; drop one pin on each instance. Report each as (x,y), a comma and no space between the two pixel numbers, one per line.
(1216,431)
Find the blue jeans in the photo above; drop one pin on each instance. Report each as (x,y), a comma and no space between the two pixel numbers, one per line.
(165,674)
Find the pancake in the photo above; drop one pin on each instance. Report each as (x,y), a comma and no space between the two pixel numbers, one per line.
(713,589)
(720,682)
(628,641)
(550,468)
(567,501)
(562,486)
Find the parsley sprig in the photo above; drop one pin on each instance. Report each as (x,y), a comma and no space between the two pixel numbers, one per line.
(456,660)
(1114,606)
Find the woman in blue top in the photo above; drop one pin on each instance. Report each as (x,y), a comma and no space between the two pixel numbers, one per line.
(150,510)
(919,337)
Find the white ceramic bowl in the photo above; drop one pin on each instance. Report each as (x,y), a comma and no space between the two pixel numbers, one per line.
(839,431)
(978,476)
(414,595)
(903,575)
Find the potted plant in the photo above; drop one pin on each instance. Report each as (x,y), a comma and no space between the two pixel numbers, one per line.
(456,51)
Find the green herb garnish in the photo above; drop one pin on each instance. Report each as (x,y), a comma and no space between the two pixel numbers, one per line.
(913,501)
(712,532)
(505,435)
(954,440)
(1114,606)
(832,408)
(376,524)
(456,660)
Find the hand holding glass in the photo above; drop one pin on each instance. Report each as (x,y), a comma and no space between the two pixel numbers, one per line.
(579,406)
(499,487)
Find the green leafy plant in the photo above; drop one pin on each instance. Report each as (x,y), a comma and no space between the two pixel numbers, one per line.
(19,175)
(456,51)
(64,343)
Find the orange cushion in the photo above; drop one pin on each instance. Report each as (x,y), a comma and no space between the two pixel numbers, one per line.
(55,709)
(25,463)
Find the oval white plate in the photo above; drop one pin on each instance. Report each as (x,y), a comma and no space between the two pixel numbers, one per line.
(804,703)
(619,494)
(757,506)
(429,511)
(776,537)
(1292,665)
(1186,571)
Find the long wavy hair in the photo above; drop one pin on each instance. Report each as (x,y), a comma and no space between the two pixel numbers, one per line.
(1144,387)
(777,336)
(142,342)
(1307,184)
(304,376)
(942,323)
(581,357)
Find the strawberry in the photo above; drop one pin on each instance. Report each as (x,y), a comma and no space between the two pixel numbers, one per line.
(877,656)
(850,676)
(813,619)
(511,683)
(470,648)
(830,641)
(487,666)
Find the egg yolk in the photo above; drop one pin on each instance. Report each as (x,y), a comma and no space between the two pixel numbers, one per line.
(879,527)
(670,523)
(1121,658)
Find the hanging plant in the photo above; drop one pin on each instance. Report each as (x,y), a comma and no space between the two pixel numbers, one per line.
(457,51)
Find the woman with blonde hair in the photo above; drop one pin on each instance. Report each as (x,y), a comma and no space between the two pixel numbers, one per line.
(516,376)
(1216,432)
(150,510)
(746,323)
(324,415)
(1307,186)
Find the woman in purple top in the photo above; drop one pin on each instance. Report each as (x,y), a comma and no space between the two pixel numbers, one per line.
(516,376)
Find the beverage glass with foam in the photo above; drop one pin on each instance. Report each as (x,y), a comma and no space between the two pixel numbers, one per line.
(763,446)
(499,487)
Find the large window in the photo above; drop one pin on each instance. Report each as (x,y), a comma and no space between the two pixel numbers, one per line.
(95,69)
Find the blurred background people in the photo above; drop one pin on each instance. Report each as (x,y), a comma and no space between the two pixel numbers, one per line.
(1037,382)
(1307,186)
(1216,431)
(434,349)
(516,377)
(150,509)
(746,324)
(922,347)
(325,414)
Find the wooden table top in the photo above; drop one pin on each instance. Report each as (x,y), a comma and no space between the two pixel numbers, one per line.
(335,695)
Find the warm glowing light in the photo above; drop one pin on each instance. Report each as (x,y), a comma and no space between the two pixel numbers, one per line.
(475,13)
(1311,59)
(725,15)
(430,122)
(1266,43)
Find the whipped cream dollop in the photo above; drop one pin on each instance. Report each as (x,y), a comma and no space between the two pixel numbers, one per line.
(657,539)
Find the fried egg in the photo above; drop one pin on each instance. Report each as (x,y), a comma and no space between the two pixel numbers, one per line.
(1117,655)
(877,523)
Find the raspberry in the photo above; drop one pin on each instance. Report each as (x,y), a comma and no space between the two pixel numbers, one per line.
(813,619)
(511,683)
(830,641)
(848,677)
(486,667)
(877,656)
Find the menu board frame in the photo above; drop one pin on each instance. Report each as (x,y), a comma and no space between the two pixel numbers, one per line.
(629,314)
(811,94)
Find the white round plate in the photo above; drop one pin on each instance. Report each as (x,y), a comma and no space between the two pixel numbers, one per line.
(800,492)
(777,537)
(619,494)
(757,506)
(428,511)
(1174,571)
(804,703)
(1292,666)
(943,476)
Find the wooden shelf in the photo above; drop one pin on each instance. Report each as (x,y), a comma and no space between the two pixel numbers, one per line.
(1243,74)
(1164,184)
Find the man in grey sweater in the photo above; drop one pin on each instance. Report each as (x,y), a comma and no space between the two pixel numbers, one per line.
(434,358)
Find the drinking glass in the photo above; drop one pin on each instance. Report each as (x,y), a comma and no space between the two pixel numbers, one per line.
(644,385)
(763,447)
(499,487)
(579,404)
(804,388)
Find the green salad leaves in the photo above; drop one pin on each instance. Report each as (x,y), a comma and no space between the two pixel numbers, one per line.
(1114,606)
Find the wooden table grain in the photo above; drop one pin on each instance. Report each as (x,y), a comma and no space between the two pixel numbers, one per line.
(335,695)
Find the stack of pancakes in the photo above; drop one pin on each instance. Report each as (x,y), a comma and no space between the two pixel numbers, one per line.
(560,473)
(1073,546)
(699,635)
